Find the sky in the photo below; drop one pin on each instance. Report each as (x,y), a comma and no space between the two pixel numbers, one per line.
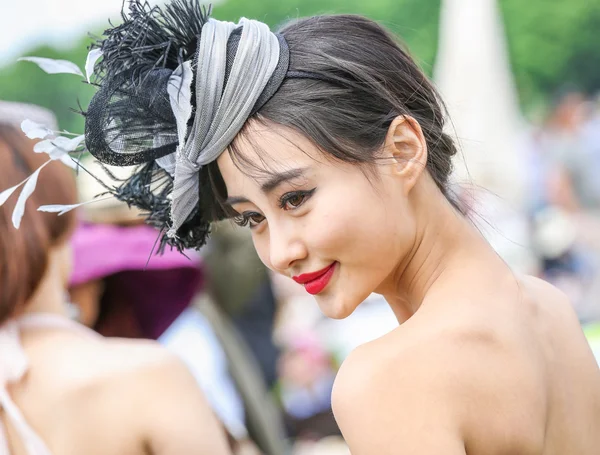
(25,24)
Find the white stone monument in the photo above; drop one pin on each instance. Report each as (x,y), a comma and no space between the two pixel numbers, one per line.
(474,77)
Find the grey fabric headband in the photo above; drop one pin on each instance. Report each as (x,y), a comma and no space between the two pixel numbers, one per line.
(222,108)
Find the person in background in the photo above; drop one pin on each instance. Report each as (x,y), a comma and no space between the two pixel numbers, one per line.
(64,388)
(123,288)
(565,209)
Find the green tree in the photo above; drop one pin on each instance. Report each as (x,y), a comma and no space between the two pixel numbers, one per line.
(552,44)
(26,82)
(415,22)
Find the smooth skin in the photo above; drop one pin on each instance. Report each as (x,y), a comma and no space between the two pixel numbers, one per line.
(484,362)
(100,396)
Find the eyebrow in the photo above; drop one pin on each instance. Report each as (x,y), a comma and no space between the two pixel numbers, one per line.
(271,184)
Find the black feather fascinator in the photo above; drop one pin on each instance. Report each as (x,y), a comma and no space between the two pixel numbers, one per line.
(130,121)
(174,88)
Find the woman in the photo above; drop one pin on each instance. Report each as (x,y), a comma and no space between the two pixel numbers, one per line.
(120,290)
(328,141)
(64,389)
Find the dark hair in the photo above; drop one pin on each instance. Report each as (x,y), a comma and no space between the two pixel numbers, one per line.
(368,81)
(24,251)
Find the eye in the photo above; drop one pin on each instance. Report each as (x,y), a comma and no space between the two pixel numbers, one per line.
(294,199)
(251,219)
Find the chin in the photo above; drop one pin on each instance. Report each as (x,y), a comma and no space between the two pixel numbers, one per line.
(337,307)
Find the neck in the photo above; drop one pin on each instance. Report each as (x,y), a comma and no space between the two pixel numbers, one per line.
(447,253)
(50,295)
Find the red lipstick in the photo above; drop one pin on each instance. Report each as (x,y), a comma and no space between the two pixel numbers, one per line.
(315,282)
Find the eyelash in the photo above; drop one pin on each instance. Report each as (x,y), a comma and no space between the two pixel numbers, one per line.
(287,197)
(245,219)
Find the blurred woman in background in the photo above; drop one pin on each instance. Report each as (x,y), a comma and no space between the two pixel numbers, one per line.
(63,388)
(121,289)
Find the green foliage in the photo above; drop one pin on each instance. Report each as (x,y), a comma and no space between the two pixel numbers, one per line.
(26,82)
(415,22)
(553,44)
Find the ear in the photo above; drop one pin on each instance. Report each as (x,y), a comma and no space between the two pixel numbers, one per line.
(406,148)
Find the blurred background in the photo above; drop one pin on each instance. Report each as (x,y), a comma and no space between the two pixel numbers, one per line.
(522,85)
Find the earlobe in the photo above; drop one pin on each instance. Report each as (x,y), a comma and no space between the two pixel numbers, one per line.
(406,145)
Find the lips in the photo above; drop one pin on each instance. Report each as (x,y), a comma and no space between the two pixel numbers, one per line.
(315,282)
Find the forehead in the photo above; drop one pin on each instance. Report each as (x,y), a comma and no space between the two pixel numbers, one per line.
(261,151)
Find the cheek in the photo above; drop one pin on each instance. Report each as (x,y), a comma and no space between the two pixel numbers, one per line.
(357,228)
(369,234)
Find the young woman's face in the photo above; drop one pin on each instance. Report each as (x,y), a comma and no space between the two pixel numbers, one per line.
(324,223)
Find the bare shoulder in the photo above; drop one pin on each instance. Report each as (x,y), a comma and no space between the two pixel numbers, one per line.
(114,368)
(392,396)
(97,361)
(553,320)
(91,362)
(142,370)
(132,356)
(548,298)
(402,360)
(544,289)
(155,393)
(422,390)
(134,390)
(427,356)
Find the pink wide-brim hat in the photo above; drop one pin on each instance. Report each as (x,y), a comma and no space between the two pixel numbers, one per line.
(101,250)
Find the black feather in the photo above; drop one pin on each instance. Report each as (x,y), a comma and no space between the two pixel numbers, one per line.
(151,38)
(148,189)
(130,121)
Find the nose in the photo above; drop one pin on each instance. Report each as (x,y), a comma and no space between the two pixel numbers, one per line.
(285,248)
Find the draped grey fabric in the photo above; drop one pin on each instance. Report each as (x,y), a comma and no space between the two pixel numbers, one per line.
(222,108)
